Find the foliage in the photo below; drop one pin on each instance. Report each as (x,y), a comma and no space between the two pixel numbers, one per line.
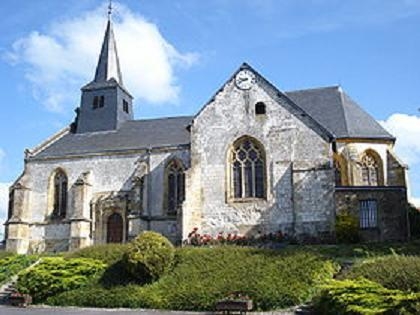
(108,253)
(4,254)
(362,296)
(392,271)
(197,239)
(205,275)
(12,264)
(347,227)
(54,275)
(149,256)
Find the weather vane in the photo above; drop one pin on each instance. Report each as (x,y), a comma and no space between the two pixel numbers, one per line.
(109,9)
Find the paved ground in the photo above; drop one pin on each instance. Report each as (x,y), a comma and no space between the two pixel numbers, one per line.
(5,310)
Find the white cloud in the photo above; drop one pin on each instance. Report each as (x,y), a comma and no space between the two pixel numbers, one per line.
(406,129)
(415,201)
(58,62)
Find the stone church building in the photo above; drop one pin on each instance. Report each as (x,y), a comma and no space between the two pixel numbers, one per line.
(254,159)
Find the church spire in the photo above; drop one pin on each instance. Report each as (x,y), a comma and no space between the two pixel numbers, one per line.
(108,64)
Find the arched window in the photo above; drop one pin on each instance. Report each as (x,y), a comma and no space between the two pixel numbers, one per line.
(11,203)
(247,169)
(260,108)
(60,194)
(370,168)
(175,181)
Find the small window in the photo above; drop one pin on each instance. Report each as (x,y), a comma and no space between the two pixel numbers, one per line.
(95,103)
(102,101)
(368,214)
(125,106)
(260,108)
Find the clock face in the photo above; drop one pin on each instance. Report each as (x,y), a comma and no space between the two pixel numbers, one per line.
(244,79)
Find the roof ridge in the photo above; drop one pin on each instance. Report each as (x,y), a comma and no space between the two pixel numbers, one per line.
(341,94)
(316,88)
(161,118)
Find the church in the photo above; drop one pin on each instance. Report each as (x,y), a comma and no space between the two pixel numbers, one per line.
(253,160)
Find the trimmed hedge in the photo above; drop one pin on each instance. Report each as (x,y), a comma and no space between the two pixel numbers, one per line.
(202,276)
(361,296)
(12,264)
(55,275)
(393,272)
(149,256)
(108,253)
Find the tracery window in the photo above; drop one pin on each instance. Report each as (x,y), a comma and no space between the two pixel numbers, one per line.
(247,169)
(60,194)
(175,179)
(370,170)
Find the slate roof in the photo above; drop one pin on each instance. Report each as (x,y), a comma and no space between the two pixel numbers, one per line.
(338,113)
(132,135)
(330,107)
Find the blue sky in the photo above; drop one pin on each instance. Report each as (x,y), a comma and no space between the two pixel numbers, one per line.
(176,54)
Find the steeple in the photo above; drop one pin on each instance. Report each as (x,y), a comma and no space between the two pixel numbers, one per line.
(105,103)
(108,64)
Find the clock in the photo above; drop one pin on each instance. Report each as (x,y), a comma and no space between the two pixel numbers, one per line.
(244,79)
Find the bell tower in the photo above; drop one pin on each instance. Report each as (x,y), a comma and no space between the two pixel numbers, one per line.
(105,102)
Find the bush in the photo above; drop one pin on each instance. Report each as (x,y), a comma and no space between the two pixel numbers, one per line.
(149,256)
(55,275)
(11,265)
(108,253)
(131,296)
(347,227)
(202,276)
(362,297)
(393,272)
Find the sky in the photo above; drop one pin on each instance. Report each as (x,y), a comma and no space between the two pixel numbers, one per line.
(175,54)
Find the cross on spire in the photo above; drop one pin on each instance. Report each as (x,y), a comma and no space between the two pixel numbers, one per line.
(109,9)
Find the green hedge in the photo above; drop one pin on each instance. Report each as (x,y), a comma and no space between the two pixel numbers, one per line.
(393,272)
(12,264)
(361,296)
(55,275)
(108,253)
(202,276)
(149,256)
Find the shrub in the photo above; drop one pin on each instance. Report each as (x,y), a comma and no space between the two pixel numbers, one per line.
(202,276)
(272,279)
(149,256)
(108,253)
(347,227)
(362,297)
(392,271)
(55,274)
(196,239)
(131,296)
(11,265)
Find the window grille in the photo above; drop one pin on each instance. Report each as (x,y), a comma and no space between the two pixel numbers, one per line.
(368,214)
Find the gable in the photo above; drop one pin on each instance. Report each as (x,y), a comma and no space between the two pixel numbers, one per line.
(278,97)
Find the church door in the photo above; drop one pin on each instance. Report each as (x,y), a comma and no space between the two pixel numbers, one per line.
(114,229)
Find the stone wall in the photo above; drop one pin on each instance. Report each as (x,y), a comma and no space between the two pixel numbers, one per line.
(299,177)
(107,175)
(392,223)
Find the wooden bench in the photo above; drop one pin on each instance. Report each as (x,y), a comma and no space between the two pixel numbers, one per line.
(235,303)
